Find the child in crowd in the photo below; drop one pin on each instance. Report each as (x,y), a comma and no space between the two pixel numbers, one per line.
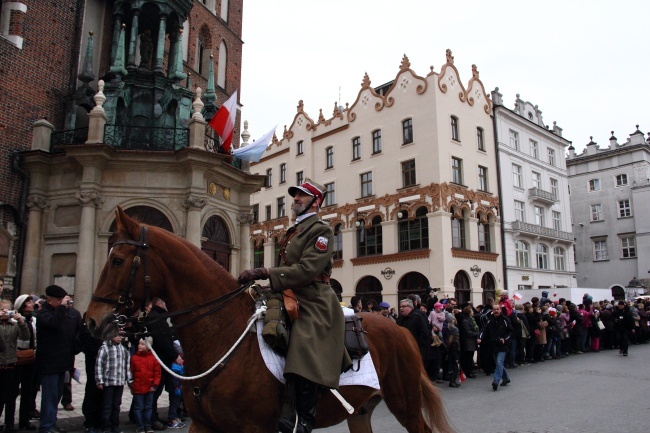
(111,374)
(146,379)
(453,351)
(175,395)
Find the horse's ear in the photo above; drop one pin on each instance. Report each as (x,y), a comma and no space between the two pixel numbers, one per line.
(125,224)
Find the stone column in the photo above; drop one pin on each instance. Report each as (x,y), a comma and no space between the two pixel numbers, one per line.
(390,241)
(130,64)
(193,204)
(245,252)
(89,200)
(30,282)
(160,46)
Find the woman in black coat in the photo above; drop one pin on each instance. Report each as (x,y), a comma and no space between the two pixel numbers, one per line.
(469,332)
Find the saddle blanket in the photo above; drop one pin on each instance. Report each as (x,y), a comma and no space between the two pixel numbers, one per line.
(366,376)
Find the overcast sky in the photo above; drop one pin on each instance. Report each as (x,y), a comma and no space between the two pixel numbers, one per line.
(584,63)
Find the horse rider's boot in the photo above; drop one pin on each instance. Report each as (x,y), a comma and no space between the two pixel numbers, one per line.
(306,397)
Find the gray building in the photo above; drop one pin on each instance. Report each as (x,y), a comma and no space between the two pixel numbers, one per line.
(610,204)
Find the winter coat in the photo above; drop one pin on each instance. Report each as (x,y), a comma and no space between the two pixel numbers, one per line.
(57,330)
(316,345)
(146,372)
(417,326)
(9,333)
(497,328)
(112,365)
(163,340)
(623,320)
(437,320)
(469,332)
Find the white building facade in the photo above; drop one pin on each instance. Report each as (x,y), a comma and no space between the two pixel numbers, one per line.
(537,238)
(411,173)
(610,204)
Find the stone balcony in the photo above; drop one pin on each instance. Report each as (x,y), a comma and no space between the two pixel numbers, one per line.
(542,232)
(542,196)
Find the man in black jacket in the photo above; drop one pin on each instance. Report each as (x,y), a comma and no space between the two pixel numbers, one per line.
(623,326)
(56,328)
(498,332)
(417,326)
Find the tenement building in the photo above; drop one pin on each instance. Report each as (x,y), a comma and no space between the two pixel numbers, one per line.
(536,219)
(411,175)
(610,204)
(101,108)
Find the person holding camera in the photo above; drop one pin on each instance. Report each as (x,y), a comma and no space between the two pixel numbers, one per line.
(57,327)
(12,327)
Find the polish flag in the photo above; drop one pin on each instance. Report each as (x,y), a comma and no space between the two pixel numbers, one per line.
(223,121)
(516,296)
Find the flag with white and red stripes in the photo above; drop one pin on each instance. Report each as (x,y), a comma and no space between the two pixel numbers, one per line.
(223,121)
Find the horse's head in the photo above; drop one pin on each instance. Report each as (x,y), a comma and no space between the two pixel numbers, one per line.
(126,283)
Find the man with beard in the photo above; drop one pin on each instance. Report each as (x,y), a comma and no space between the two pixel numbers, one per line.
(316,354)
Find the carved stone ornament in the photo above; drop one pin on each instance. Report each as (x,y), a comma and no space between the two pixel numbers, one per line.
(37,202)
(193,202)
(245,218)
(89,198)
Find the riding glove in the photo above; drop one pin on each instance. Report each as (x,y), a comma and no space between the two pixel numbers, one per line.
(253,274)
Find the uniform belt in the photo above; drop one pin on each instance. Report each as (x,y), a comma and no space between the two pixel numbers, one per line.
(322,278)
(7,366)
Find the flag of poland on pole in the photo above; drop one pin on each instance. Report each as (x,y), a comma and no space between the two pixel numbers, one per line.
(224,121)
(516,296)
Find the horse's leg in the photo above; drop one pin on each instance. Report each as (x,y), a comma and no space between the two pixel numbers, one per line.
(360,422)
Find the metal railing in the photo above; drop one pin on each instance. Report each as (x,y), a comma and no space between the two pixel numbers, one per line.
(146,137)
(71,136)
(541,231)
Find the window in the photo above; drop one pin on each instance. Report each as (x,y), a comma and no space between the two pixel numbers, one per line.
(330,197)
(329,157)
(366,184)
(414,234)
(480,144)
(376,141)
(554,189)
(407,131)
(338,242)
(521,251)
(624,209)
(457,170)
(519,211)
(516,176)
(408,173)
(300,178)
(551,157)
(557,220)
(482,178)
(454,129)
(514,140)
(356,148)
(222,65)
(281,209)
(594,185)
(483,236)
(299,148)
(269,178)
(268,212)
(283,173)
(560,259)
(600,250)
(541,254)
(458,232)
(256,213)
(596,212)
(628,245)
(621,180)
(369,238)
(258,256)
(534,149)
(224,10)
(539,216)
(537,180)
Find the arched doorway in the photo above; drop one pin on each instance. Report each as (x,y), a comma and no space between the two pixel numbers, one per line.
(338,289)
(369,288)
(413,283)
(618,293)
(145,215)
(217,241)
(462,288)
(489,287)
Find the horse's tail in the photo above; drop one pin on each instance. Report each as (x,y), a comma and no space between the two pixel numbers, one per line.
(432,407)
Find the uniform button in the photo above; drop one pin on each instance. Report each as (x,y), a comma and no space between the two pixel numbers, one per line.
(282,275)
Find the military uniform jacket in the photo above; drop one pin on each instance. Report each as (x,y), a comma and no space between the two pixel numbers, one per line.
(316,347)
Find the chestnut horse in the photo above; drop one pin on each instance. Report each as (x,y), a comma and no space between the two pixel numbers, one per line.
(242,395)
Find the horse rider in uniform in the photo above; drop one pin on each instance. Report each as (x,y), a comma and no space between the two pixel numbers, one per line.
(316,355)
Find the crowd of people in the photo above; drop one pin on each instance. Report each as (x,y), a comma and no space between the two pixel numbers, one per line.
(463,340)
(39,338)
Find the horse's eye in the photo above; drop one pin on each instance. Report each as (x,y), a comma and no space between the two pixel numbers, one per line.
(116,261)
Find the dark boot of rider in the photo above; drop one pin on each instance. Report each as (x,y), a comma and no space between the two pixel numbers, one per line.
(306,397)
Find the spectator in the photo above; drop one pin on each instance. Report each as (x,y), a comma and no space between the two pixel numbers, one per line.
(356,304)
(437,348)
(523,336)
(498,331)
(56,330)
(174,390)
(385,311)
(12,327)
(437,319)
(468,344)
(607,336)
(417,326)
(146,373)
(453,350)
(111,374)
(93,396)
(25,367)
(623,326)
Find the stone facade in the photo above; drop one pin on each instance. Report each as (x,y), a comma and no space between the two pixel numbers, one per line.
(610,201)
(395,196)
(537,238)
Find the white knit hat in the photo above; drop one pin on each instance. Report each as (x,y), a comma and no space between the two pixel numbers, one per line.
(21,300)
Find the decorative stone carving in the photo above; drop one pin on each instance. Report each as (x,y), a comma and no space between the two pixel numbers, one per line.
(193,202)
(245,218)
(37,202)
(89,198)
